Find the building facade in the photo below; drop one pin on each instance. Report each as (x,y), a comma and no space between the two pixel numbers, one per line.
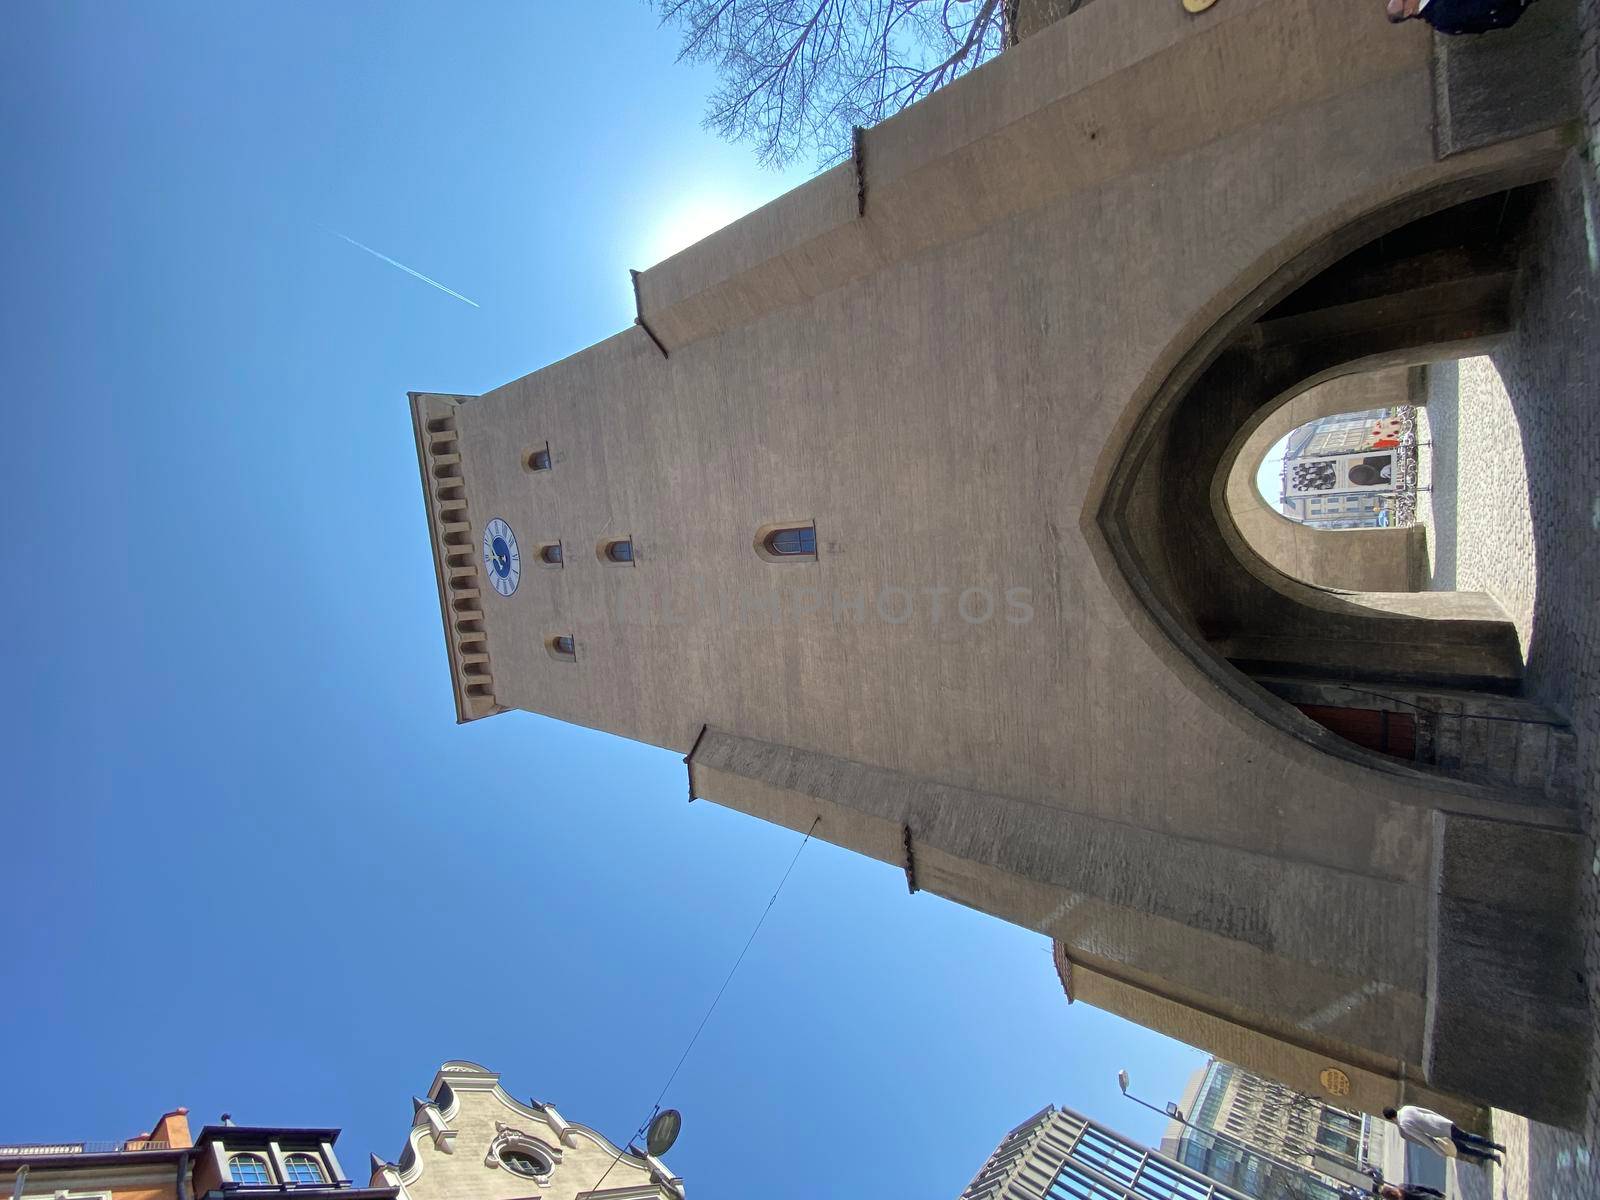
(153,1165)
(1319,457)
(470,1140)
(1266,1139)
(897,515)
(1058,1154)
(225,1162)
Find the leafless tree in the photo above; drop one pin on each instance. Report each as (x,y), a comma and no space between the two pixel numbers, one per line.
(799,75)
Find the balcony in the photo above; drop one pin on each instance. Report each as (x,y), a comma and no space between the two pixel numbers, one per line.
(46,1149)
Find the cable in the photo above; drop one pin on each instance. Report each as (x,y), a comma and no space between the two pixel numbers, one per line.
(682,1058)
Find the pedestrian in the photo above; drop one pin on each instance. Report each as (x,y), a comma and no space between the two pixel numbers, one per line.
(1408,1191)
(1438,1132)
(1460,16)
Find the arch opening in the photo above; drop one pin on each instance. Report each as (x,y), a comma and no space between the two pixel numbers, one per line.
(1330,633)
(1325,489)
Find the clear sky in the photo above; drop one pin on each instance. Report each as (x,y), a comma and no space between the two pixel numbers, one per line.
(251,863)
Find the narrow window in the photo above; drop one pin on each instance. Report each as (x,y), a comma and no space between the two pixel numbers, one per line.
(617,551)
(550,554)
(791,541)
(303,1168)
(537,459)
(248,1168)
(562,648)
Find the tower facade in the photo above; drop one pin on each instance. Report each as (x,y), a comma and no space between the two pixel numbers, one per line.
(897,514)
(470,1140)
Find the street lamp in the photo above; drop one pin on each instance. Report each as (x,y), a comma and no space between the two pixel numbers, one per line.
(1173,1111)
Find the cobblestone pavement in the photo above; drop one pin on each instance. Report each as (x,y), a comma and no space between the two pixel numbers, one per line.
(1532,539)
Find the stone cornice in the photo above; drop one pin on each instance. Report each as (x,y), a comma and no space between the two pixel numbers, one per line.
(455,557)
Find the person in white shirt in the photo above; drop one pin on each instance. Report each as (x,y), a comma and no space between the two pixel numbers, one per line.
(1459,16)
(1438,1132)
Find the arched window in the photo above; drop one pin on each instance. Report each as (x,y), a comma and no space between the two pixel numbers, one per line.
(562,647)
(248,1168)
(537,459)
(619,550)
(303,1168)
(550,554)
(788,542)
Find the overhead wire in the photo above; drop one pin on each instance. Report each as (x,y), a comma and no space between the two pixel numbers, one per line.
(717,999)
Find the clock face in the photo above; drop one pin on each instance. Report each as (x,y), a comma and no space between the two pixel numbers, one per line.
(502,562)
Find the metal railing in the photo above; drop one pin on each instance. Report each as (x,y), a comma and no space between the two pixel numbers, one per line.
(43,1149)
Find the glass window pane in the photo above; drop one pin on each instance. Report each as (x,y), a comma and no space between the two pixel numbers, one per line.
(248,1168)
(302,1168)
(794,541)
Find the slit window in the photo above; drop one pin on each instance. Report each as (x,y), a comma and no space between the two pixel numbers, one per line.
(551,555)
(620,551)
(537,459)
(563,647)
(795,541)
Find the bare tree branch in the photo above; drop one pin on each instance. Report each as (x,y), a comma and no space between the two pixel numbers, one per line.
(799,75)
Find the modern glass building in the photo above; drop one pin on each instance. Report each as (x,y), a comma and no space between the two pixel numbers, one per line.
(1058,1154)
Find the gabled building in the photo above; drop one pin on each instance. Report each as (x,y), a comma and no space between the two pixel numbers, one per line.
(470,1140)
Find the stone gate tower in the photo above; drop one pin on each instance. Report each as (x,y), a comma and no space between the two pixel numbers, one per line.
(901,512)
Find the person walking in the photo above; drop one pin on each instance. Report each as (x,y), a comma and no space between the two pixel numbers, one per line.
(1459,16)
(1408,1191)
(1424,1127)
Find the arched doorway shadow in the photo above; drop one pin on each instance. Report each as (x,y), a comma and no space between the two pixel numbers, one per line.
(1419,683)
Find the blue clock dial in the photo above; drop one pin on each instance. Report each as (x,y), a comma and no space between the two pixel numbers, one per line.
(502,561)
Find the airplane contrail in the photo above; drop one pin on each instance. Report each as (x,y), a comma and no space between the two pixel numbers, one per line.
(403,267)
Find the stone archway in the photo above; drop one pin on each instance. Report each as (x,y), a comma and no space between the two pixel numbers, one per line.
(1349,662)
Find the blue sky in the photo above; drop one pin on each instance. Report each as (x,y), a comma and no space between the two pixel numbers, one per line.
(251,862)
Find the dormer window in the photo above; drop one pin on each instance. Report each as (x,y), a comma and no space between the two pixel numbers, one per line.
(248,1169)
(303,1168)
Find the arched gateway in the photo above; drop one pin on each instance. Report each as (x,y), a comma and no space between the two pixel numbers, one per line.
(997,369)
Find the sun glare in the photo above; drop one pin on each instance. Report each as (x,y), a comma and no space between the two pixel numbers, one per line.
(690,219)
